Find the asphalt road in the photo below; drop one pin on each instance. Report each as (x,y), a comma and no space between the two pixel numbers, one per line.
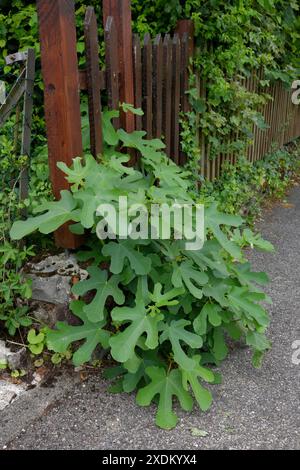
(253,409)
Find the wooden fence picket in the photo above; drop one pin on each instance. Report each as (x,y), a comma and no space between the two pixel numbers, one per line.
(157,86)
(167,92)
(93,81)
(138,92)
(147,102)
(112,66)
(175,106)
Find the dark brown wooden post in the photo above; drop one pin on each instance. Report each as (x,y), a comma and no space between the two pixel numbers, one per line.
(120,10)
(61,95)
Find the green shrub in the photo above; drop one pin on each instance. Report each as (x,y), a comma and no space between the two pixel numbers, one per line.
(244,187)
(164,312)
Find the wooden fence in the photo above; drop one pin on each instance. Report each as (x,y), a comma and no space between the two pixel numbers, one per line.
(21,96)
(282,119)
(152,74)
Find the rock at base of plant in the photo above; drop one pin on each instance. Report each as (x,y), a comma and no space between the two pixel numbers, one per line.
(52,278)
(18,360)
(4,351)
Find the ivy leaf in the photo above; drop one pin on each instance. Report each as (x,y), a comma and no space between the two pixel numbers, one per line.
(166,386)
(105,288)
(123,344)
(242,299)
(176,333)
(202,395)
(57,214)
(60,339)
(122,250)
(186,274)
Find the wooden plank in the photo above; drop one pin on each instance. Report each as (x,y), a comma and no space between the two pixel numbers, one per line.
(278,114)
(167,92)
(112,66)
(157,86)
(27,121)
(185,30)
(120,10)
(61,95)
(268,120)
(184,82)
(187,27)
(271,123)
(93,81)
(83,79)
(202,136)
(175,109)
(137,69)
(13,98)
(147,85)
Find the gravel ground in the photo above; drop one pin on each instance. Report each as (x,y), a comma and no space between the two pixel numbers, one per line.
(253,409)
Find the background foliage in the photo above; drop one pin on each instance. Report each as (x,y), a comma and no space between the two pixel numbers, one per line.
(233,38)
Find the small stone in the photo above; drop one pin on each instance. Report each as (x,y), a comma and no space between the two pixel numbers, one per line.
(4,351)
(55,289)
(17,360)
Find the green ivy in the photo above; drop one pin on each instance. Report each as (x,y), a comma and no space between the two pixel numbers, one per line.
(244,187)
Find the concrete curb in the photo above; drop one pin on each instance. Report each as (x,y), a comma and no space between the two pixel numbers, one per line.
(31,405)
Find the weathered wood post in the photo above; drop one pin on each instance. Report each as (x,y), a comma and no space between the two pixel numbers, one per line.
(61,94)
(120,11)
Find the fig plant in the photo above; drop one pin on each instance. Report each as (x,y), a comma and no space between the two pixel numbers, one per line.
(165,313)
